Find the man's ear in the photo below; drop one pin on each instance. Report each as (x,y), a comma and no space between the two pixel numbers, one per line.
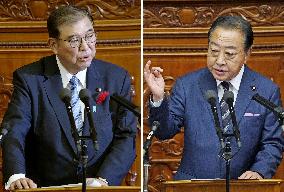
(247,54)
(52,43)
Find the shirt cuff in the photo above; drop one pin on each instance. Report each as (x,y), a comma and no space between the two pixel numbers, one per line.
(14,178)
(155,103)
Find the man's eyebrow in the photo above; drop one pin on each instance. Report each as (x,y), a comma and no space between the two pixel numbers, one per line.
(231,47)
(226,47)
(77,35)
(213,43)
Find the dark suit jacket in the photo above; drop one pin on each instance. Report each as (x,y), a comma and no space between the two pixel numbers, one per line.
(39,142)
(262,143)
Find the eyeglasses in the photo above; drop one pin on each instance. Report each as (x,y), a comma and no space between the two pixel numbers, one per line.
(228,55)
(76,41)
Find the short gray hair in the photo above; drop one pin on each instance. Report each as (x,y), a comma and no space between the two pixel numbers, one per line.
(65,15)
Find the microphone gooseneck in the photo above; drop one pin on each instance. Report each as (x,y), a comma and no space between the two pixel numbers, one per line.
(211,96)
(85,96)
(229,99)
(149,137)
(65,96)
(127,104)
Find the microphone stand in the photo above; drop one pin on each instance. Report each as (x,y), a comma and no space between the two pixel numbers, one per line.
(227,156)
(146,161)
(146,166)
(83,159)
(82,150)
(227,150)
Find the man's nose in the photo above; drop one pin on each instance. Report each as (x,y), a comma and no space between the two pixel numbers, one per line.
(83,45)
(221,60)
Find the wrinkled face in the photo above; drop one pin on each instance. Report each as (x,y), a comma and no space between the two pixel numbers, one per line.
(76,45)
(226,54)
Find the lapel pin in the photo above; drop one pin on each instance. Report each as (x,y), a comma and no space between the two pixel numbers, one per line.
(98,89)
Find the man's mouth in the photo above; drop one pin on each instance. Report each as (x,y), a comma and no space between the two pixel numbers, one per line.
(84,58)
(219,71)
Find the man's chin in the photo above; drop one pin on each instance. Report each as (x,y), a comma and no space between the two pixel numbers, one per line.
(84,65)
(221,77)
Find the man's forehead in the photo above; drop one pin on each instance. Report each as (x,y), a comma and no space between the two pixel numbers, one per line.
(226,38)
(76,28)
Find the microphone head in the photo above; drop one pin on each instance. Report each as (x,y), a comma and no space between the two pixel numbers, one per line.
(228,97)
(155,125)
(4,131)
(84,95)
(211,96)
(4,128)
(65,95)
(255,97)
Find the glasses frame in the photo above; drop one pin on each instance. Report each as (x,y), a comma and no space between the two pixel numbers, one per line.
(74,44)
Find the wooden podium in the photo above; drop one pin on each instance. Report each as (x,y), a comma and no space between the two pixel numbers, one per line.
(89,189)
(264,185)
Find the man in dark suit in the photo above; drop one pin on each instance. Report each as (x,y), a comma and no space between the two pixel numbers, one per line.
(39,149)
(230,41)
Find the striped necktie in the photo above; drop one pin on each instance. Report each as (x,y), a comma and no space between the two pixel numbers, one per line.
(225,112)
(75,103)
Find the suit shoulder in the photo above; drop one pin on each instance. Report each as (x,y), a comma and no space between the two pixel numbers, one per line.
(108,68)
(193,76)
(36,67)
(263,81)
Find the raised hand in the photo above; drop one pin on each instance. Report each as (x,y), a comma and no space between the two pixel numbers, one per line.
(155,81)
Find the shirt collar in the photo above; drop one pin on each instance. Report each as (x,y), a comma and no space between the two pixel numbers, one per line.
(66,76)
(236,81)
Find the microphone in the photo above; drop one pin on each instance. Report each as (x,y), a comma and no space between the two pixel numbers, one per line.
(229,99)
(4,130)
(149,137)
(127,104)
(277,110)
(85,96)
(211,96)
(65,96)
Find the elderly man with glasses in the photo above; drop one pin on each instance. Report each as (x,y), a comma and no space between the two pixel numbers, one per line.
(39,148)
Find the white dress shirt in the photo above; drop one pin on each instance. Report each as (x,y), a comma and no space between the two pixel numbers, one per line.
(234,85)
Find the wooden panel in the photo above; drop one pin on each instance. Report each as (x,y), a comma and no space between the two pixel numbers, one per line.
(35,10)
(23,35)
(267,185)
(89,189)
(200,13)
(175,38)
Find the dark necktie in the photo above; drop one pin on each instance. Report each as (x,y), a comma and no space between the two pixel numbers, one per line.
(75,103)
(226,117)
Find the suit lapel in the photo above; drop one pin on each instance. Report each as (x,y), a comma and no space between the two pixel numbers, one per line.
(207,82)
(93,83)
(53,86)
(245,93)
